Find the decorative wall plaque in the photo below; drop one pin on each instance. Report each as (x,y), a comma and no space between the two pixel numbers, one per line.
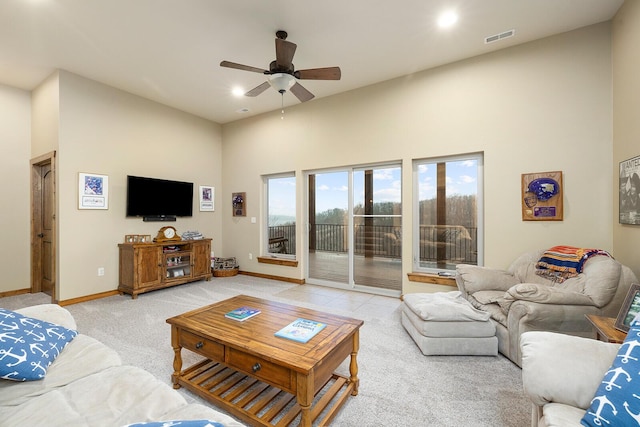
(542,196)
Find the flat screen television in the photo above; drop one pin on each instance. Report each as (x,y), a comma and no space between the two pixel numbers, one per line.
(158,199)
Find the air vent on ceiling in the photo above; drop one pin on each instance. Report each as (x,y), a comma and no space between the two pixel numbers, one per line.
(496,37)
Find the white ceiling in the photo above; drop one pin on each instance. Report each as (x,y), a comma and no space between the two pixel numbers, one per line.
(169,50)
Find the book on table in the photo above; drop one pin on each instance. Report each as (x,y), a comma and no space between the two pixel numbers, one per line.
(301,330)
(242,313)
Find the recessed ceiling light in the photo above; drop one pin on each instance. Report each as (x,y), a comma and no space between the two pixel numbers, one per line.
(447,19)
(237,91)
(243,110)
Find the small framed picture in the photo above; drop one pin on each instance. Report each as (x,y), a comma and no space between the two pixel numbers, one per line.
(93,191)
(206,198)
(130,238)
(630,309)
(238,201)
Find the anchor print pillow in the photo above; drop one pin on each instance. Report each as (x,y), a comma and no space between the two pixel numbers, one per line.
(617,400)
(28,346)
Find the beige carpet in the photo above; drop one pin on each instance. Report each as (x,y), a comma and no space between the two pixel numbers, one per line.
(398,385)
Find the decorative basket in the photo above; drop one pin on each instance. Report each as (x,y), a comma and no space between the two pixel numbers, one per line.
(225,272)
(225,267)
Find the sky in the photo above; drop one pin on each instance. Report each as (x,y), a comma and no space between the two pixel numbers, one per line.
(332,188)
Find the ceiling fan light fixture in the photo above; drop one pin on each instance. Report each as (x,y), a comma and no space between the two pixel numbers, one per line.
(282,82)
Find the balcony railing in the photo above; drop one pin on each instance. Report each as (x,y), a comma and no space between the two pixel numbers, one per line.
(455,244)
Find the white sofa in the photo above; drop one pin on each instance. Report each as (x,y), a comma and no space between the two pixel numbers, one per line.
(87,385)
(561,373)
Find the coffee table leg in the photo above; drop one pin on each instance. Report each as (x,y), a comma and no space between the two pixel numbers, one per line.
(177,356)
(304,397)
(353,366)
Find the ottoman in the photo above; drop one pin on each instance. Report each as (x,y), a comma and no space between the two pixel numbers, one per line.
(444,323)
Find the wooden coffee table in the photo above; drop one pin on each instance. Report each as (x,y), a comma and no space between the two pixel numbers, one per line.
(260,378)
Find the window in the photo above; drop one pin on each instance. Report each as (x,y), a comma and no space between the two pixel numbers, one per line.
(448,212)
(280,199)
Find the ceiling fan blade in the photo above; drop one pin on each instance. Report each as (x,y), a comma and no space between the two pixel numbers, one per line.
(258,89)
(284,54)
(328,73)
(301,93)
(243,67)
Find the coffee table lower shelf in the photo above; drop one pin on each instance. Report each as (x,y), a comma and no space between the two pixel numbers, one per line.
(258,403)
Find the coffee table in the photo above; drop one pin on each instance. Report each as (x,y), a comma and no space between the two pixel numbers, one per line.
(263,379)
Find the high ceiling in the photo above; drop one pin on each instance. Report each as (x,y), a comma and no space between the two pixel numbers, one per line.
(169,51)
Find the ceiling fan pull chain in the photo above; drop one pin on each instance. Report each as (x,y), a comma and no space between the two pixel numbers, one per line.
(282,111)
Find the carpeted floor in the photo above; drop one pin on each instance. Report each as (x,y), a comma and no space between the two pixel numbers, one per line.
(398,385)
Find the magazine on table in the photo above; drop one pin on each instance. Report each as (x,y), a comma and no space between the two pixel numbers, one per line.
(301,330)
(242,313)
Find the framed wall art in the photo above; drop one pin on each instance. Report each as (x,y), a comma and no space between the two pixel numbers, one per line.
(93,191)
(239,203)
(206,198)
(629,203)
(542,196)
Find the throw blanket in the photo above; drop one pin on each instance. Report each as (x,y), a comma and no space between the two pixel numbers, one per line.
(563,262)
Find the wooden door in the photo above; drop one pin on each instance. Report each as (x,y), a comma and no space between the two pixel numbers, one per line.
(43,257)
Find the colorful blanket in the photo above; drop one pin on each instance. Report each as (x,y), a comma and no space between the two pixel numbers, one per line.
(563,262)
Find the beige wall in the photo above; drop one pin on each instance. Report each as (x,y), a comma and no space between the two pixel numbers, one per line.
(626,123)
(15,135)
(45,116)
(106,131)
(542,106)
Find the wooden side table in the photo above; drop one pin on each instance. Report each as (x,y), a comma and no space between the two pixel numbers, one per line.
(605,329)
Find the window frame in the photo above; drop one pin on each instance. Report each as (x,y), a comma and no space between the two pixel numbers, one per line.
(265,232)
(479,158)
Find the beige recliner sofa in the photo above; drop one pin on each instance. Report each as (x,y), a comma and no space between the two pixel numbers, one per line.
(519,300)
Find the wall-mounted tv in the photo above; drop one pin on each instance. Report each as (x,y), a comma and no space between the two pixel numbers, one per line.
(158,199)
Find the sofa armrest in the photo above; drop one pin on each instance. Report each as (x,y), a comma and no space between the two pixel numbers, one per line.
(52,313)
(543,294)
(472,278)
(525,316)
(563,368)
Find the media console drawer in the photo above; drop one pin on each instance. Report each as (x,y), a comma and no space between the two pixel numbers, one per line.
(264,370)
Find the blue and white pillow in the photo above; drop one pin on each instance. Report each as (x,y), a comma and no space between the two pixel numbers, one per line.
(617,400)
(28,346)
(180,423)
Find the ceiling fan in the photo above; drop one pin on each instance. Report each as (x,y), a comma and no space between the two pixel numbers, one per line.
(282,75)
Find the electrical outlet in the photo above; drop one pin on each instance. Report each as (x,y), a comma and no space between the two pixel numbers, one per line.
(250,255)
(100,271)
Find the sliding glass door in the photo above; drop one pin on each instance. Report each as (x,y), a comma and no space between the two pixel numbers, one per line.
(355,234)
(377,228)
(328,255)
